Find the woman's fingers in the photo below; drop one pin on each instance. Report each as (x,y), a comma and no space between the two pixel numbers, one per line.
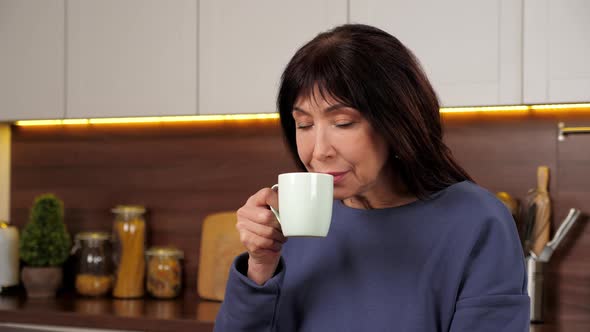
(265,231)
(258,245)
(258,215)
(260,232)
(264,197)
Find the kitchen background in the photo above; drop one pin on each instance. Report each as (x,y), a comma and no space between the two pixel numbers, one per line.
(84,59)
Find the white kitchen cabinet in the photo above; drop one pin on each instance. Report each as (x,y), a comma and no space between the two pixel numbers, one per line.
(470,50)
(31,59)
(131,58)
(245,45)
(556,51)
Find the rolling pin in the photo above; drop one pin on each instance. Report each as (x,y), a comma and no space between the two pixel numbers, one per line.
(543,211)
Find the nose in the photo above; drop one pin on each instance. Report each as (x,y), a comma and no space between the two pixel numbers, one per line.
(323,148)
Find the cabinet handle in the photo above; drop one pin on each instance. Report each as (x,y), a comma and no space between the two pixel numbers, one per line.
(562,130)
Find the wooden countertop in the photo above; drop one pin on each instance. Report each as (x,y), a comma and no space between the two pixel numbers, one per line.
(183,314)
(561,327)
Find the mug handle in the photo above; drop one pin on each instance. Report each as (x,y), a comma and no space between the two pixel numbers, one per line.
(275,212)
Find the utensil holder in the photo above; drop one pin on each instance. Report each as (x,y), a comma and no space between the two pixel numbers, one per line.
(535,276)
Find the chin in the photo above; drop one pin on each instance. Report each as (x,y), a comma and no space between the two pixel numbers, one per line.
(341,193)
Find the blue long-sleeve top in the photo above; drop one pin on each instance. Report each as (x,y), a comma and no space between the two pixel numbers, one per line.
(452,262)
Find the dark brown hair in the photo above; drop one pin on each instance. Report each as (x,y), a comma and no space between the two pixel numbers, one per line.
(370,70)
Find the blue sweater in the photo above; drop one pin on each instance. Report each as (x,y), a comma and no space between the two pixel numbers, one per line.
(449,263)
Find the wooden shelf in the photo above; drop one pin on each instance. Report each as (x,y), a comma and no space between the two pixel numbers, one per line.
(184,314)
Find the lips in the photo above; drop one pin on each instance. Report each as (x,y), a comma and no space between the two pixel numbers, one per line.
(338,176)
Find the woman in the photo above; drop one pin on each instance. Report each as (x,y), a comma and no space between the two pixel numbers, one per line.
(414,244)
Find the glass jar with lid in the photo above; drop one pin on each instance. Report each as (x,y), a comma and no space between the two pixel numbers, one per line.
(94,272)
(164,272)
(129,237)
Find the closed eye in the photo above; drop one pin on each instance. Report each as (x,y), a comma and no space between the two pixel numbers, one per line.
(303,126)
(344,124)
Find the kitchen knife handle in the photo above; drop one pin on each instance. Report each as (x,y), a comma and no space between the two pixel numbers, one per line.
(564,228)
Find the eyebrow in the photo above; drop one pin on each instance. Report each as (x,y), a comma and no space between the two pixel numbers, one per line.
(326,110)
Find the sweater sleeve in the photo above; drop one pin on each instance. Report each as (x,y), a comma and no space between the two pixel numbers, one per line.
(248,306)
(493,292)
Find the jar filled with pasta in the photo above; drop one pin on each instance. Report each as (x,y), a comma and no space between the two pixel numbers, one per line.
(164,272)
(94,272)
(129,237)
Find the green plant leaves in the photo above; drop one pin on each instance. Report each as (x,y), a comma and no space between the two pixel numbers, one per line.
(45,240)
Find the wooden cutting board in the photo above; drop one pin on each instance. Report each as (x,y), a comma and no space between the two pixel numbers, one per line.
(207,311)
(220,244)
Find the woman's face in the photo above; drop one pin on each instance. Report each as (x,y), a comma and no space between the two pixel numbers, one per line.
(335,139)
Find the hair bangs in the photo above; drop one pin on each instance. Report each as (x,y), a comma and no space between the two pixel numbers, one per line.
(324,82)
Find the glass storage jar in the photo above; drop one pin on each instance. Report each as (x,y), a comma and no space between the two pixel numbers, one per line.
(129,236)
(164,272)
(93,254)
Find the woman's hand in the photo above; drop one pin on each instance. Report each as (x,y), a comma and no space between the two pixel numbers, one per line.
(261,234)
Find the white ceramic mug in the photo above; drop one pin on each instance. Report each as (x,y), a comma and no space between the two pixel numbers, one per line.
(305,203)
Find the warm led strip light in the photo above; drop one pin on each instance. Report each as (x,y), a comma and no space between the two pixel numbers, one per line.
(517,108)
(513,108)
(262,116)
(153,119)
(585,106)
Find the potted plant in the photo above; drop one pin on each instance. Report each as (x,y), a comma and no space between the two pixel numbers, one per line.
(44,246)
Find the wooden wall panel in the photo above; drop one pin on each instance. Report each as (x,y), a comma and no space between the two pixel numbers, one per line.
(570,267)
(181,173)
(502,154)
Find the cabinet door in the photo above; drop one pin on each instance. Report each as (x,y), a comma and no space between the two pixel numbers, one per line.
(470,50)
(245,45)
(131,58)
(556,51)
(31,59)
